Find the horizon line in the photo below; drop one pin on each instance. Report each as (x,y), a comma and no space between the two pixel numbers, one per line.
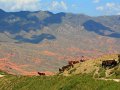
(56,12)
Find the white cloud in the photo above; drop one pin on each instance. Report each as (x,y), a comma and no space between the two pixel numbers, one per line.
(63,4)
(101,8)
(17,5)
(96,1)
(32,5)
(110,5)
(109,8)
(55,5)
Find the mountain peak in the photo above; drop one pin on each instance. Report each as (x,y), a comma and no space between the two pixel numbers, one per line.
(2,11)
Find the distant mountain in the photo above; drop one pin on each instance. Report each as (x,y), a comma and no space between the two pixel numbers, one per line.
(45,41)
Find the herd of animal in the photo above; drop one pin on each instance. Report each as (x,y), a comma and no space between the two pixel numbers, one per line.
(105,64)
(70,65)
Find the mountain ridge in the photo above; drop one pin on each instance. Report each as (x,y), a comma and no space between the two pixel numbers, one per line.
(45,41)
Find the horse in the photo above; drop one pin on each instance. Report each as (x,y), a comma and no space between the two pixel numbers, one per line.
(109,63)
(41,73)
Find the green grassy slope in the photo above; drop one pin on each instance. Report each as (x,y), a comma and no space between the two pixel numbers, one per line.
(76,82)
(81,77)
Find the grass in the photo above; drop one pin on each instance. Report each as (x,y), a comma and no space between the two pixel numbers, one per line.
(75,82)
(3,73)
(101,72)
(116,73)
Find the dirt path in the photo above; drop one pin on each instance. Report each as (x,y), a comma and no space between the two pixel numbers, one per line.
(116,80)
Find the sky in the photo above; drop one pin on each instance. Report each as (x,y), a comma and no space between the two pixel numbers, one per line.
(88,7)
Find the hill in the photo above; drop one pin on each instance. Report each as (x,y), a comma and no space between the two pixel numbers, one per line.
(44,41)
(94,66)
(88,75)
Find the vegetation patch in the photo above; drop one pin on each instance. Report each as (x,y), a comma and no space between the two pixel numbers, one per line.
(102,73)
(75,82)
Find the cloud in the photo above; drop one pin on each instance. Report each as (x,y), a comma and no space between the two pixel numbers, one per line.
(110,5)
(96,1)
(17,5)
(33,5)
(63,4)
(101,8)
(109,8)
(56,5)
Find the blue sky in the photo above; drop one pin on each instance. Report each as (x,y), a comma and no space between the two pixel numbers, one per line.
(89,7)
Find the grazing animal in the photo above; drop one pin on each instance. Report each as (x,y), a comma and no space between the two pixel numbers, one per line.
(41,74)
(109,63)
(72,62)
(70,65)
(66,67)
(60,70)
(82,59)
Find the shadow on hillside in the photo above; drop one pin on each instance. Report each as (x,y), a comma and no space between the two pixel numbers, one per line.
(100,29)
(16,22)
(19,26)
(54,19)
(36,38)
(116,35)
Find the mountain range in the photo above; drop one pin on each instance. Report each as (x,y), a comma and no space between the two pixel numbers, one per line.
(44,41)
